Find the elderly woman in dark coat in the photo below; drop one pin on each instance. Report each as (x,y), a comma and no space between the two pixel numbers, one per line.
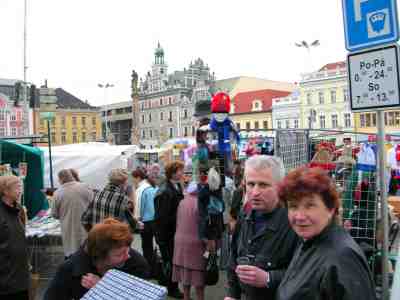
(328,264)
(14,266)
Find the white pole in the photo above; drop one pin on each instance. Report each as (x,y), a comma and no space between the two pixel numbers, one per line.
(384,207)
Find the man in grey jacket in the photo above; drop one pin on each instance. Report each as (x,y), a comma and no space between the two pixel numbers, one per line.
(70,201)
(263,242)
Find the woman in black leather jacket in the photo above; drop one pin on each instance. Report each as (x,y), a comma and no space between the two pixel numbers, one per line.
(328,264)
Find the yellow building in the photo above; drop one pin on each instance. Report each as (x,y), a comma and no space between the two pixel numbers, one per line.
(324,94)
(74,120)
(253,110)
(367,122)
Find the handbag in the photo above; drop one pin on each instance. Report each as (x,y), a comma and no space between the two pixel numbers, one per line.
(212,270)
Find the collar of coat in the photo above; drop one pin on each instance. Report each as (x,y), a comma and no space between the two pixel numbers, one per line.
(325,233)
(273,218)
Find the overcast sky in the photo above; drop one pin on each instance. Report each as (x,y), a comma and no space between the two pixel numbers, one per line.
(76,44)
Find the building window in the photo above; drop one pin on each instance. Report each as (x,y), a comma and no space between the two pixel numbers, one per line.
(161,116)
(94,121)
(333,96)
(151,133)
(53,138)
(256,125)
(368,120)
(322,121)
(248,125)
(143,119)
(83,121)
(41,122)
(149,117)
(238,126)
(193,131)
(63,138)
(345,95)
(335,121)
(74,121)
(185,114)
(142,106)
(362,120)
(2,115)
(171,132)
(2,131)
(265,124)
(279,124)
(74,137)
(287,123)
(83,137)
(13,131)
(391,118)
(63,122)
(185,131)
(169,100)
(143,134)
(13,117)
(170,116)
(309,96)
(347,120)
(160,101)
(396,118)
(257,105)
(93,136)
(296,123)
(321,98)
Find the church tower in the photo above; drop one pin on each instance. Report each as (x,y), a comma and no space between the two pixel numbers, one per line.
(159,76)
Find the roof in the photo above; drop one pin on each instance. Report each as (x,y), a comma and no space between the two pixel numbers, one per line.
(334,66)
(67,100)
(244,101)
(235,85)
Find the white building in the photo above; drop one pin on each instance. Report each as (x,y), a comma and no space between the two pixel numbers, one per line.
(286,111)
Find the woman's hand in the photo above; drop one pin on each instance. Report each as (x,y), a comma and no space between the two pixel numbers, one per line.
(211,246)
(89,280)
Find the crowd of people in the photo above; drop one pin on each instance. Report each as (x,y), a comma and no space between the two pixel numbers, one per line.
(286,241)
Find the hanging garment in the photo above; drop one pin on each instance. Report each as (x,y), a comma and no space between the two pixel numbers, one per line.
(366,158)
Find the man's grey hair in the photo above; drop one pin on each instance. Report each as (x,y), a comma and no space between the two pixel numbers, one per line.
(65,176)
(262,162)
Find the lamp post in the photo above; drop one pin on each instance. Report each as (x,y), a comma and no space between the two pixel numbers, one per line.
(105,87)
(307,46)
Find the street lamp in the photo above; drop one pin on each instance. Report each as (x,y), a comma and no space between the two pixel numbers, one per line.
(304,44)
(105,87)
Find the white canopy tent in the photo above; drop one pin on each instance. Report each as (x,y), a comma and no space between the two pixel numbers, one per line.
(93,161)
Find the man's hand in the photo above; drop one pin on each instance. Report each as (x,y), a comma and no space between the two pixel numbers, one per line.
(252,275)
(89,280)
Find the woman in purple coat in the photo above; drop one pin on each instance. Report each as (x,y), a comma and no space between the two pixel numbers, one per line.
(189,263)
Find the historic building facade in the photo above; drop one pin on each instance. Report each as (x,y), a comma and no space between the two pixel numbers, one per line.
(324,98)
(166,101)
(286,111)
(15,114)
(253,110)
(74,121)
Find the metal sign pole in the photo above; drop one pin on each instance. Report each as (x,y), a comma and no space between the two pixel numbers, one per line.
(50,159)
(384,207)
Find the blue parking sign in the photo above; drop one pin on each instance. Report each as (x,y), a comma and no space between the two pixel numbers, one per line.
(369,23)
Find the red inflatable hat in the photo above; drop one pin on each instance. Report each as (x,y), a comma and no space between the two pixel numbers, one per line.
(220,103)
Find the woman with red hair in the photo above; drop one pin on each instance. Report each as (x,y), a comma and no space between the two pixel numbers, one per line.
(107,247)
(328,264)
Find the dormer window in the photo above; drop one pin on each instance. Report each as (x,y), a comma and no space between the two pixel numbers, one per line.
(256,105)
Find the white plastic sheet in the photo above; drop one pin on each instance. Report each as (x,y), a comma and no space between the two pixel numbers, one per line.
(93,161)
